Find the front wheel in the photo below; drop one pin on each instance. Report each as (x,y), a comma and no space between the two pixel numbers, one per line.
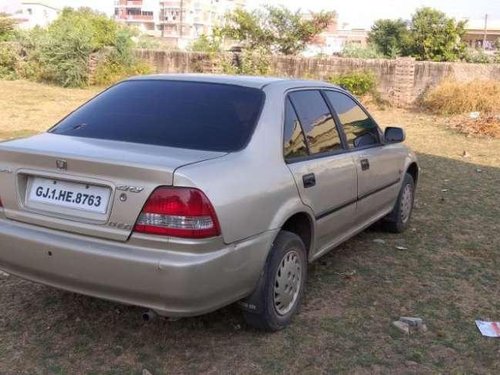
(281,290)
(398,220)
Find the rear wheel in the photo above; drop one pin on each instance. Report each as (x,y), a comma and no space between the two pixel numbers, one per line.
(280,292)
(398,220)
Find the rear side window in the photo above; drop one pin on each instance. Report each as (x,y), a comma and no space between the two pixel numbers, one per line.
(360,130)
(317,121)
(294,141)
(193,115)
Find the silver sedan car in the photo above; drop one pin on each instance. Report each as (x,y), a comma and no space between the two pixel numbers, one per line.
(186,193)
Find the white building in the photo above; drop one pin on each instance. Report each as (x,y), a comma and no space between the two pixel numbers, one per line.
(35,13)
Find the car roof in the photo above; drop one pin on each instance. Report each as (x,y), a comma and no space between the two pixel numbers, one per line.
(246,81)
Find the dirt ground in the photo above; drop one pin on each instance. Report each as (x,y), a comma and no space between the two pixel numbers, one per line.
(449,275)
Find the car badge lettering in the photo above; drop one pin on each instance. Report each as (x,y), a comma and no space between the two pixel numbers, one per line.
(131,189)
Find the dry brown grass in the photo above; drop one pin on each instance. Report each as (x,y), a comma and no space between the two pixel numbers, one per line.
(454,97)
(27,108)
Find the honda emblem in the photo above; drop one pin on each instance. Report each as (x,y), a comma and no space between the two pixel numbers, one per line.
(61,164)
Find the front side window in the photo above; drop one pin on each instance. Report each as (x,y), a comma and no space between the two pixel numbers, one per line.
(193,115)
(294,143)
(360,130)
(317,121)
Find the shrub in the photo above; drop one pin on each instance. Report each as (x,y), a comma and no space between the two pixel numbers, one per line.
(8,61)
(355,50)
(255,62)
(205,43)
(29,65)
(120,62)
(64,56)
(454,97)
(112,69)
(66,45)
(60,54)
(99,29)
(7,27)
(248,62)
(359,82)
(145,41)
(478,56)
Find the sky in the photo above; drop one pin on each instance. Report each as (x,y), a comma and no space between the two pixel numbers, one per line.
(356,13)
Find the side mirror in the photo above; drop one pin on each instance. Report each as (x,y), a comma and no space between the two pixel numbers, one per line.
(394,135)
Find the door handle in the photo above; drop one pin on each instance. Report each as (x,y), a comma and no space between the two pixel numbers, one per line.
(365,164)
(309,180)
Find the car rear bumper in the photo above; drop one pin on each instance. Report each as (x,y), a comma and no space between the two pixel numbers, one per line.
(173,283)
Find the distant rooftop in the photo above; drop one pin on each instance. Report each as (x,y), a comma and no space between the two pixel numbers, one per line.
(45,3)
(478,24)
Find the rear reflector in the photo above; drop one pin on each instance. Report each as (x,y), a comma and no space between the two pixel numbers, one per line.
(178,212)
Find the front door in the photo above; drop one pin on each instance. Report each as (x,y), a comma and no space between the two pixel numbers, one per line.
(378,168)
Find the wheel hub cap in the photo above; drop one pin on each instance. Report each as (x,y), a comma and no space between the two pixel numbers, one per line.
(406,203)
(287,283)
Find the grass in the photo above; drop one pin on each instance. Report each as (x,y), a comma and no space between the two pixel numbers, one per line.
(454,97)
(449,276)
(28,107)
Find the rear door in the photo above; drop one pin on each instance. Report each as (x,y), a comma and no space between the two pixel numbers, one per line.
(324,174)
(378,167)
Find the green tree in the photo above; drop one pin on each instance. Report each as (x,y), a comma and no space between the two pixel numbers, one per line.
(276,29)
(434,36)
(390,37)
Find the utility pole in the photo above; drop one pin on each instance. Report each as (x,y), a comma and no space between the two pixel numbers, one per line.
(180,19)
(485,31)
(162,19)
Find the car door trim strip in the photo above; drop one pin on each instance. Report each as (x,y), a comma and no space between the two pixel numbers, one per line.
(379,189)
(344,205)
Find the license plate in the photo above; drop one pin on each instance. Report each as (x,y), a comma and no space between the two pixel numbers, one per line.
(67,194)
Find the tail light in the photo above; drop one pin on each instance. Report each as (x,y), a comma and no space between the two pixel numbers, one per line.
(178,212)
(1,204)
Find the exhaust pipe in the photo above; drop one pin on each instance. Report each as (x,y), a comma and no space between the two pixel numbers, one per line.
(149,315)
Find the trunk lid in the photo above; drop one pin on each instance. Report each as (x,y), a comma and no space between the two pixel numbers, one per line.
(44,180)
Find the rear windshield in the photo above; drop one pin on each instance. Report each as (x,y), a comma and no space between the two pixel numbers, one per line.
(194,115)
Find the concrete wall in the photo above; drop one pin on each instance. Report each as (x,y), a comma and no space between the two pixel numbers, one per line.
(401,80)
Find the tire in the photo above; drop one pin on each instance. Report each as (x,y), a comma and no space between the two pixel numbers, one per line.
(398,220)
(279,301)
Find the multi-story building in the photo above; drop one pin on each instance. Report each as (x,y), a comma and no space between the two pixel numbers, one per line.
(178,21)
